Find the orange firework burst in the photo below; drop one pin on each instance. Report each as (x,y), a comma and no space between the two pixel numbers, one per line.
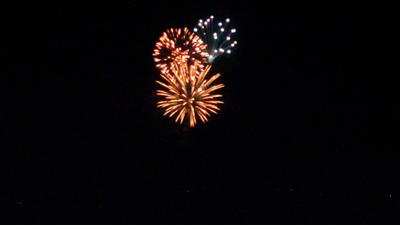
(187,94)
(179,45)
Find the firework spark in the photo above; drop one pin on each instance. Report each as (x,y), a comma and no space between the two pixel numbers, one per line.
(187,94)
(179,45)
(218,36)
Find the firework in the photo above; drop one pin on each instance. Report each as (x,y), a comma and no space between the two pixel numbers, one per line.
(187,94)
(217,35)
(179,45)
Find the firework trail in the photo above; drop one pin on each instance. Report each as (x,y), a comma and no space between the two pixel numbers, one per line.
(187,94)
(179,45)
(217,35)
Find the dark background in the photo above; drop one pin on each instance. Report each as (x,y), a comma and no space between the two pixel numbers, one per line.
(301,138)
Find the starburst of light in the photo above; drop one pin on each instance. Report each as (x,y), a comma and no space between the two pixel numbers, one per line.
(179,45)
(219,36)
(187,94)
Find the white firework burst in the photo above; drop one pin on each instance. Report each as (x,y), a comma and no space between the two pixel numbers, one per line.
(218,36)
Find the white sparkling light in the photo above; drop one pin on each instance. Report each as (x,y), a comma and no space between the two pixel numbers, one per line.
(218,34)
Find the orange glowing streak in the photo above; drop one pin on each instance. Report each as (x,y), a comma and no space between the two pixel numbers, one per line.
(187,94)
(179,45)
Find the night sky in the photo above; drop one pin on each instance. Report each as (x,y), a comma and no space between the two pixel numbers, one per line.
(298,140)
